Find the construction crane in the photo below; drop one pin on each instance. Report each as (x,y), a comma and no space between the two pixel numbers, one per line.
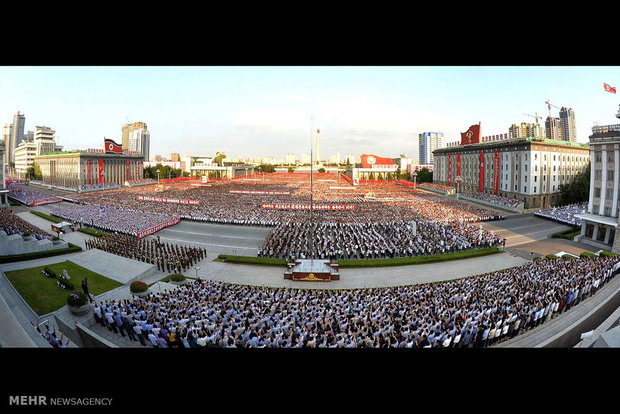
(534,116)
(549,105)
(128,121)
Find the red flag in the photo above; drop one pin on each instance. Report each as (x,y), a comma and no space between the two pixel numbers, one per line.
(112,147)
(609,88)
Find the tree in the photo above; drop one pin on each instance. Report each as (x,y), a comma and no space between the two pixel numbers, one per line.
(425,175)
(578,191)
(265,168)
(291,169)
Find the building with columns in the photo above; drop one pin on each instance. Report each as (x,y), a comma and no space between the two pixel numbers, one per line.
(529,169)
(90,167)
(599,224)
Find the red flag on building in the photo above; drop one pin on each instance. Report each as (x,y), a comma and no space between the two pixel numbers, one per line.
(609,88)
(112,147)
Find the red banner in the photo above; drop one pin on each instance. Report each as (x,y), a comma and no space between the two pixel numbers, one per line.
(481,170)
(292,206)
(449,169)
(137,171)
(496,173)
(458,164)
(368,160)
(168,200)
(89,170)
(100,171)
(127,171)
(158,227)
(259,192)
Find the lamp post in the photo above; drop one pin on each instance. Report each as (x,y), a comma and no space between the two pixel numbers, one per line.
(415,176)
(458,185)
(157,175)
(197,269)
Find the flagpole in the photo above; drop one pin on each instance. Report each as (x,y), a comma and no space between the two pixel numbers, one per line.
(311,196)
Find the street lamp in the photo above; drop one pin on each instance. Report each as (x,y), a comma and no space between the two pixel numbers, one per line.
(197,269)
(415,176)
(157,175)
(458,185)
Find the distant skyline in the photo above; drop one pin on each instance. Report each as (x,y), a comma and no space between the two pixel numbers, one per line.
(256,111)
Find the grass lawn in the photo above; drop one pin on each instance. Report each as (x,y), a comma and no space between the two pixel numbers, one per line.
(44,296)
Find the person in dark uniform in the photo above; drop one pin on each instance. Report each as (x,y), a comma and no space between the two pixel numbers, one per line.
(85,289)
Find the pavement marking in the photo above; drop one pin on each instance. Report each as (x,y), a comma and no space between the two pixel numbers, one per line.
(215,234)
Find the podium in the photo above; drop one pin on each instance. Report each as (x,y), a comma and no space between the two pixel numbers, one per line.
(312,270)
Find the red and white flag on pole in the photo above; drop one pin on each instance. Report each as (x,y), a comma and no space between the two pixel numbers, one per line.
(609,88)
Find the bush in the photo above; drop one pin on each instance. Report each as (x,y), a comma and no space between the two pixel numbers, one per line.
(177,278)
(587,254)
(551,256)
(65,284)
(39,255)
(92,232)
(49,271)
(567,256)
(55,238)
(606,253)
(76,299)
(138,286)
(26,234)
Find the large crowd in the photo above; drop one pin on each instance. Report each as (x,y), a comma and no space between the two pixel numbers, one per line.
(492,198)
(472,312)
(565,214)
(11,223)
(111,218)
(31,197)
(377,227)
(168,257)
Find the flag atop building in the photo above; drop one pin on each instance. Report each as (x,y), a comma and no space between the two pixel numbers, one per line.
(609,88)
(112,147)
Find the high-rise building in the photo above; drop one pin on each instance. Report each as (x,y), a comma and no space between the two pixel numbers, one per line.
(429,142)
(17,135)
(290,158)
(6,140)
(525,130)
(568,131)
(140,141)
(174,157)
(553,128)
(127,129)
(40,141)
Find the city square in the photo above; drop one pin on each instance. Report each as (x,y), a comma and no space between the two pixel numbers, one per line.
(291,227)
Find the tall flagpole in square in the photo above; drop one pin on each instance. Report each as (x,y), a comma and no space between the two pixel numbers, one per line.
(311,194)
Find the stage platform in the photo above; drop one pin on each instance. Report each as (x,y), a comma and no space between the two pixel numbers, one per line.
(312,270)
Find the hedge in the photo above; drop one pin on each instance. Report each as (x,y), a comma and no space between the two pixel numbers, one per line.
(92,232)
(568,234)
(587,254)
(46,216)
(403,261)
(606,253)
(267,261)
(39,255)
(551,256)
(76,299)
(400,261)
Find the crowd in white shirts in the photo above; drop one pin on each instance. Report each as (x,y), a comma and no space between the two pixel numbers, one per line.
(565,214)
(472,312)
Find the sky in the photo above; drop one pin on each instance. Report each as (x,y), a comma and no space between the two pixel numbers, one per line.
(256,111)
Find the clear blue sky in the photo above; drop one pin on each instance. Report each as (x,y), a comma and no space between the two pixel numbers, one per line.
(265,110)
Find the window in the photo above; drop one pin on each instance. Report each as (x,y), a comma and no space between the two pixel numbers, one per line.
(535,178)
(534,189)
(597,156)
(597,192)
(597,175)
(610,175)
(610,193)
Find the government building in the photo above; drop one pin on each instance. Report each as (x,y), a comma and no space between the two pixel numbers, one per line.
(529,169)
(599,224)
(89,168)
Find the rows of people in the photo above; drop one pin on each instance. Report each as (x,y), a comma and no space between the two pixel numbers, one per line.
(111,218)
(565,214)
(472,312)
(167,256)
(492,198)
(11,223)
(31,197)
(240,202)
(337,241)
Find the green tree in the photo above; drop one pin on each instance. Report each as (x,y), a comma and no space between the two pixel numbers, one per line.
(291,169)
(578,191)
(425,176)
(265,168)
